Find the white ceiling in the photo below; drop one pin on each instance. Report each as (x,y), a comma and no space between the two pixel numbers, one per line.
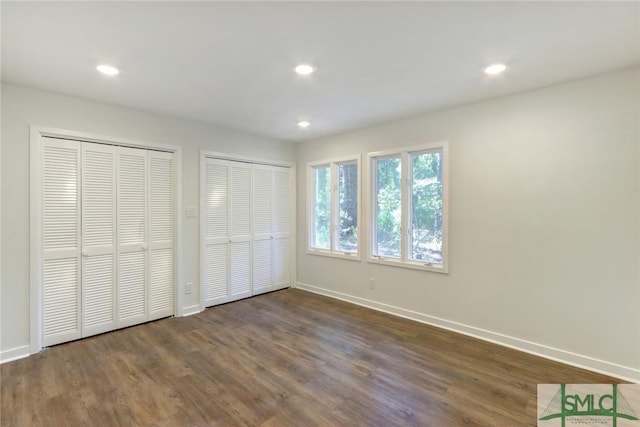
(231,64)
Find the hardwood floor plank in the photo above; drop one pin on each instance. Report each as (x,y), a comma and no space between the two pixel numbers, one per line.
(287,358)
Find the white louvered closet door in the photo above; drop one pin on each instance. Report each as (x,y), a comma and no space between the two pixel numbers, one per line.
(215,284)
(262,229)
(161,220)
(240,231)
(281,228)
(98,238)
(132,236)
(61,302)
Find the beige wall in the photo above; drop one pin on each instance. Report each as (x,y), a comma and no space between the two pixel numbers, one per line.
(22,107)
(544,223)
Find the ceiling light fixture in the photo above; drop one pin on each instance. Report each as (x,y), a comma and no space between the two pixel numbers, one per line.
(304,124)
(304,69)
(108,70)
(495,69)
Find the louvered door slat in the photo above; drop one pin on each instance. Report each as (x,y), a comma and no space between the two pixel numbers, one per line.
(240,255)
(99,238)
(262,273)
(132,236)
(132,194)
(160,197)
(262,188)
(281,263)
(281,225)
(240,270)
(161,212)
(281,201)
(61,241)
(98,291)
(161,283)
(215,285)
(61,300)
(216,274)
(262,229)
(240,201)
(216,213)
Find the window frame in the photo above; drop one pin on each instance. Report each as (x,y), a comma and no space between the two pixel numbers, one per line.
(334,174)
(370,193)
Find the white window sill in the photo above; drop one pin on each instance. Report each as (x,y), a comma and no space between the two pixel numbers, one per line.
(324,252)
(414,265)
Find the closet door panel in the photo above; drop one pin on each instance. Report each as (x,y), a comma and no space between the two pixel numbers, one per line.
(240,270)
(161,246)
(99,238)
(262,266)
(132,236)
(215,284)
(240,239)
(61,304)
(262,228)
(281,228)
(281,263)
(262,202)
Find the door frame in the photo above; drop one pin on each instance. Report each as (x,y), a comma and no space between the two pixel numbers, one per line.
(37,133)
(204,155)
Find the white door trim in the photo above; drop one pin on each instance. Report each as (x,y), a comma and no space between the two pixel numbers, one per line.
(35,215)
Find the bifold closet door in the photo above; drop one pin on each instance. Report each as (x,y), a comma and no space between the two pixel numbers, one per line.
(107,238)
(246,230)
(132,236)
(98,238)
(215,283)
(61,241)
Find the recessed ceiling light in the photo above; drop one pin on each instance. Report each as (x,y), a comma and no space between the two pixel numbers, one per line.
(304,69)
(304,124)
(108,70)
(495,69)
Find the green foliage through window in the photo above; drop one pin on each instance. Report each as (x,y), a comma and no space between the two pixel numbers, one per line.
(388,203)
(348,207)
(424,191)
(322,207)
(426,207)
(335,207)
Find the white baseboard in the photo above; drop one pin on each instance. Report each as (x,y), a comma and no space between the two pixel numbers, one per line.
(14,354)
(578,360)
(192,309)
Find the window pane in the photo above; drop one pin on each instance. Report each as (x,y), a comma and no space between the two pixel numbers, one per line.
(426,207)
(322,207)
(388,202)
(348,207)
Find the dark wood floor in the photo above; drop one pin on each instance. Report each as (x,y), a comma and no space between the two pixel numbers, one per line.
(288,358)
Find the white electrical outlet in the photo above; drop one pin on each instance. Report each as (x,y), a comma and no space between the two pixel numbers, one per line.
(188,288)
(372,283)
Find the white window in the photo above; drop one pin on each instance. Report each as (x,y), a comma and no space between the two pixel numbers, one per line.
(334,207)
(408,209)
